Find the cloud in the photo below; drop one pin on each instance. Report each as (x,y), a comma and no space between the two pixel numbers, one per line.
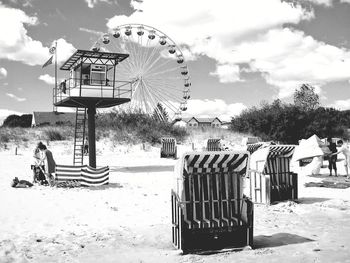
(341,104)
(64,50)
(213,108)
(91,31)
(16,45)
(4,113)
(321,2)
(226,73)
(327,3)
(47,79)
(249,32)
(15,97)
(288,58)
(3,73)
(92,3)
(215,30)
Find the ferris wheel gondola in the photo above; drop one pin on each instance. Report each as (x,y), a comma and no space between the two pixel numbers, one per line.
(156,67)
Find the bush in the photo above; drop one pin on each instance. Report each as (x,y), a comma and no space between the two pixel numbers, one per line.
(23,121)
(4,138)
(137,127)
(288,123)
(53,135)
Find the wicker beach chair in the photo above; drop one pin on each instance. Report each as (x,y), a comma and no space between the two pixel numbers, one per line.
(209,210)
(214,145)
(82,175)
(168,148)
(270,178)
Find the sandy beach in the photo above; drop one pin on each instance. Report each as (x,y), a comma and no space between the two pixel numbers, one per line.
(129,220)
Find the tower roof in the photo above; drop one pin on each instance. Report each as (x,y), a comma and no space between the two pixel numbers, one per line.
(93,56)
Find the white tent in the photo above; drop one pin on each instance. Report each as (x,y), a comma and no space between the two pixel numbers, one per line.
(309,148)
(313,149)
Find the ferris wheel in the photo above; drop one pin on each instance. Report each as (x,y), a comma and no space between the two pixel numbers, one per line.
(156,69)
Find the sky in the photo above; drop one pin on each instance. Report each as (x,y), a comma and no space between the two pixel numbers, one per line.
(239,53)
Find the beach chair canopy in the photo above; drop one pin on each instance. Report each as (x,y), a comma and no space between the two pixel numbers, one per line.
(209,163)
(261,159)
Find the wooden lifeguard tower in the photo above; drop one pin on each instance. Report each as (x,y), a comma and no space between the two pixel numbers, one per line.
(91,84)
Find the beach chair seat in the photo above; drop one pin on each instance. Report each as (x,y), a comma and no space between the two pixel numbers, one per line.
(270,177)
(168,148)
(209,210)
(82,175)
(214,145)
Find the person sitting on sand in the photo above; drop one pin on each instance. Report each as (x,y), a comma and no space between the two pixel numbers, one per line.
(50,164)
(344,150)
(20,183)
(332,161)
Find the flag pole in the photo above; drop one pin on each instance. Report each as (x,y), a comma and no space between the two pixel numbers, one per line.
(54,107)
(55,90)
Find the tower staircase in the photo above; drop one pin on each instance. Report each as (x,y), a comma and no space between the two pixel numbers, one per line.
(79,136)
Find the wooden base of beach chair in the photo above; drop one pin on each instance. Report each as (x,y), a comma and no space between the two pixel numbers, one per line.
(263,190)
(169,155)
(210,239)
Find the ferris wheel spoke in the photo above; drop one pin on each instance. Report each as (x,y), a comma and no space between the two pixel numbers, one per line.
(130,49)
(146,53)
(158,95)
(131,42)
(152,58)
(164,85)
(164,71)
(151,98)
(159,66)
(166,88)
(167,94)
(165,101)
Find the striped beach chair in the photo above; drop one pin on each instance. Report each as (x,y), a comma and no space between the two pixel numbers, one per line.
(253,147)
(270,177)
(168,148)
(214,145)
(209,210)
(82,175)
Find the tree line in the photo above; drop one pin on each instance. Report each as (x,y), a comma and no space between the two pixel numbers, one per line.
(290,122)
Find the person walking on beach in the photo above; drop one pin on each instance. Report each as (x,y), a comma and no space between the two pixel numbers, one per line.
(49,161)
(332,161)
(344,150)
(86,146)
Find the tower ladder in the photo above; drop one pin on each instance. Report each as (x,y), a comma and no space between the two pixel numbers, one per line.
(79,136)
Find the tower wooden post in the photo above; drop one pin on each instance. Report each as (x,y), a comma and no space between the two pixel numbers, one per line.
(92,137)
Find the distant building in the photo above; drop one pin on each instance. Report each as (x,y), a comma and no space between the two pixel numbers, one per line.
(52,118)
(195,122)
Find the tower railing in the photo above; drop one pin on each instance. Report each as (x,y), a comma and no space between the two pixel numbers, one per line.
(75,87)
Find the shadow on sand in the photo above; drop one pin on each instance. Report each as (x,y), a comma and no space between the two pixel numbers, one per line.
(311,200)
(142,169)
(106,186)
(279,239)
